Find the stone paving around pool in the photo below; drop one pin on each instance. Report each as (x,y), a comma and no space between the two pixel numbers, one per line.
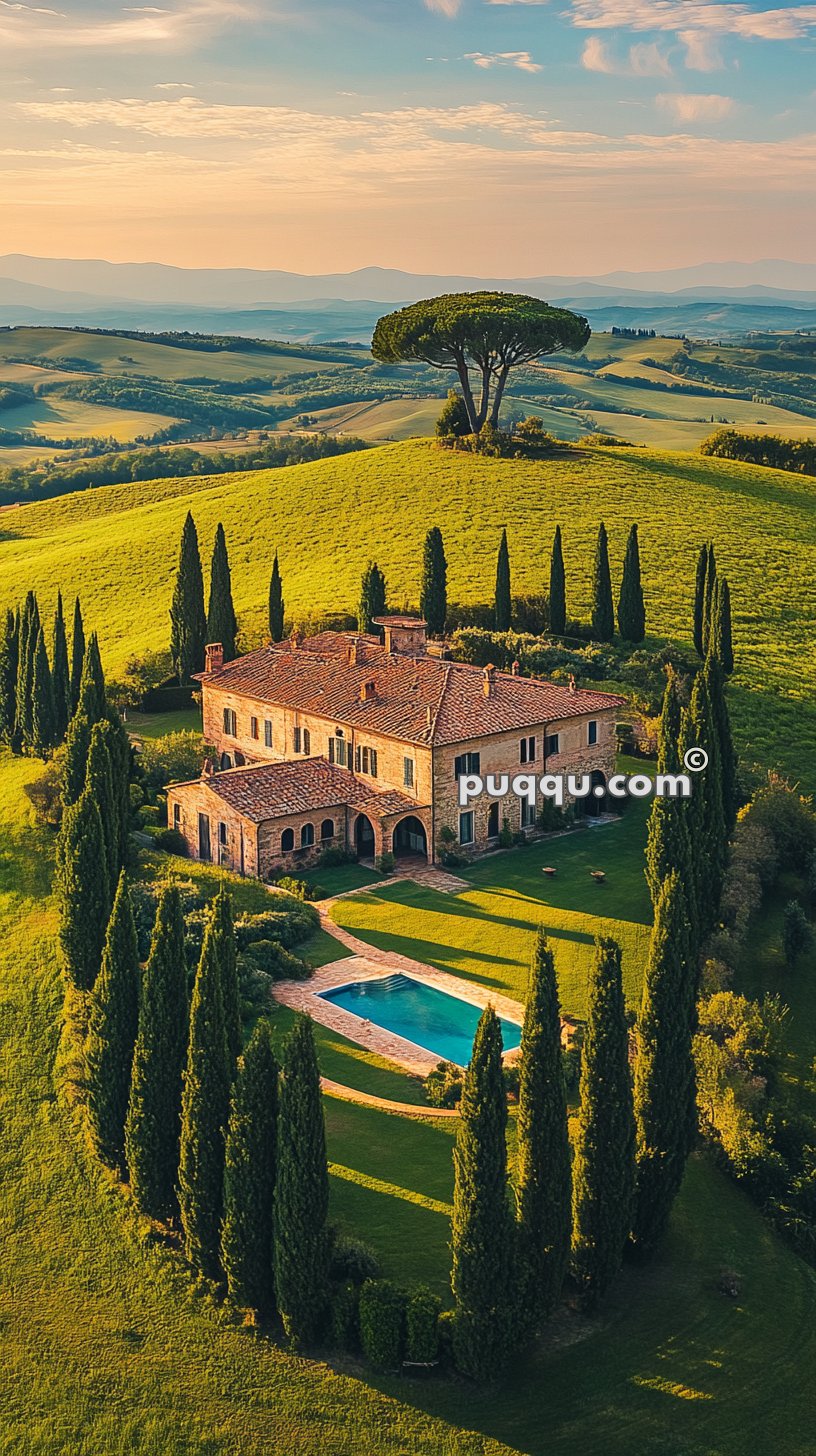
(365,964)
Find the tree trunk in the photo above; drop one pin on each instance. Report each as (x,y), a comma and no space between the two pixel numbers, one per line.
(484,401)
(467,394)
(497,397)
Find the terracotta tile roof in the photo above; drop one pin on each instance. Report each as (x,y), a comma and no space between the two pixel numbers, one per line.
(270,790)
(421,699)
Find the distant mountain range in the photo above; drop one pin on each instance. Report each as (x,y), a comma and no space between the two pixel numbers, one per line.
(707,300)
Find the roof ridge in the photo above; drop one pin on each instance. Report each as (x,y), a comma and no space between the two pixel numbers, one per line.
(435,716)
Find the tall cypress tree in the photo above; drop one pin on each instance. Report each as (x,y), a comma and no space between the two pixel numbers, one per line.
(204,1114)
(482,1225)
(247,1250)
(188,621)
(543,1179)
(372,597)
(276,603)
(603,1171)
(221,622)
(301,1192)
(721,642)
(121,757)
(699,601)
(433,597)
(224,930)
(61,675)
(558,587)
(603,614)
(83,892)
(99,784)
(153,1125)
(713,677)
(43,724)
(668,841)
(77,654)
(503,608)
(631,611)
(112,1027)
(706,809)
(29,632)
(664,1070)
(77,743)
(8,675)
(93,701)
(709,590)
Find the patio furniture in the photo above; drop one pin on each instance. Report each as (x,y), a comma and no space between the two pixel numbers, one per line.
(549,870)
(598,876)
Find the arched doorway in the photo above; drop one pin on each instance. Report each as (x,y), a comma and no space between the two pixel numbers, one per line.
(493,821)
(410,838)
(364,837)
(597,800)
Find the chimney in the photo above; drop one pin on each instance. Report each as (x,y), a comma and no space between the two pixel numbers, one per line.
(213,656)
(572,683)
(207,768)
(429,717)
(368,691)
(295,640)
(405,635)
(489,679)
(515,669)
(354,651)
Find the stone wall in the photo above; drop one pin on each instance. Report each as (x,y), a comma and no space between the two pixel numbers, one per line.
(236,850)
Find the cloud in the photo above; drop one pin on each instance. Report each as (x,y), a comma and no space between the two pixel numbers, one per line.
(702,51)
(643,59)
(697,108)
(173,86)
(521,60)
(792,22)
(450,8)
(24,27)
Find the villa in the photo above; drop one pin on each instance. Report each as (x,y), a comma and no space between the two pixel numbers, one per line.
(357,742)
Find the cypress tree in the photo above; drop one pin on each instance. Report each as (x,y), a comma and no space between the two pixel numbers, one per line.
(668,841)
(77,744)
(8,676)
(721,643)
(224,930)
(543,1177)
(706,809)
(301,1192)
(664,1070)
(112,1027)
(93,701)
(503,610)
(221,623)
(121,758)
(433,597)
(84,895)
(60,675)
(153,1124)
(713,677)
(372,598)
(603,615)
(247,1251)
(558,587)
(77,654)
(482,1225)
(204,1114)
(276,603)
(699,601)
(188,622)
(29,632)
(631,611)
(603,1171)
(99,784)
(709,589)
(43,724)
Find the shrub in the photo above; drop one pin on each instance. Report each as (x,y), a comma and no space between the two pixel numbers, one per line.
(345,1317)
(353,1261)
(385,863)
(789,819)
(302,889)
(45,793)
(505,834)
(422,1326)
(443,1085)
(446,1325)
(170,841)
(382,1323)
(171,759)
(334,855)
(797,936)
(453,420)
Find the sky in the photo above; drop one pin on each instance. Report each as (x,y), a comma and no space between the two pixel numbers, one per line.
(493,137)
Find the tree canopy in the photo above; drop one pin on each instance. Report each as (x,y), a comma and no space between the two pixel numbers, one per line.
(488,333)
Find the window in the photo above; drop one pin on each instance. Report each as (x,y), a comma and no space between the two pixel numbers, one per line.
(204,851)
(307,836)
(527,814)
(467,763)
(408,772)
(527,750)
(466,827)
(296,739)
(230,725)
(222,832)
(493,822)
(327,829)
(592,731)
(366,761)
(253,727)
(267,733)
(338,752)
(552,743)
(287,840)
(177,816)
(307,741)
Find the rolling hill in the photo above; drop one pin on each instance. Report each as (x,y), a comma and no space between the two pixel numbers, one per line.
(117,547)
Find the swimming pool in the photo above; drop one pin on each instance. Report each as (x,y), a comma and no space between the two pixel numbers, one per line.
(435,1020)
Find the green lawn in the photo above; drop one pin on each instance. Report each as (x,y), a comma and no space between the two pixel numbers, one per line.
(117,547)
(351,1065)
(486,933)
(337,879)
(157,725)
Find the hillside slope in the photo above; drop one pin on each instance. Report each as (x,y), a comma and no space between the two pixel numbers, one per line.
(117,546)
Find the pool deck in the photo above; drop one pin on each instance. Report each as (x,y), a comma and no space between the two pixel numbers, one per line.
(368,963)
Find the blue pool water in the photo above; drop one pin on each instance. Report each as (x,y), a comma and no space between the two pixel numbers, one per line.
(444,1025)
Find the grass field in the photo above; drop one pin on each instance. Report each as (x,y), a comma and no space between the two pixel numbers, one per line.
(71,419)
(117,546)
(107,1350)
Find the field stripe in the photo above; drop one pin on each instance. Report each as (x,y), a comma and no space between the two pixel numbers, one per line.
(377,1185)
